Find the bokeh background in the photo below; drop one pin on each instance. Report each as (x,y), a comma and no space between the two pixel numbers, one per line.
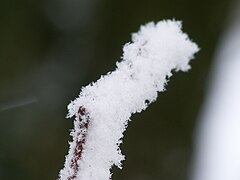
(49,49)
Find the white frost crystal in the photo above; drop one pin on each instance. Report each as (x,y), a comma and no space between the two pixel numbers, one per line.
(103,108)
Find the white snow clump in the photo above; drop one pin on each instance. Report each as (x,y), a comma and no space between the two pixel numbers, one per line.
(103,108)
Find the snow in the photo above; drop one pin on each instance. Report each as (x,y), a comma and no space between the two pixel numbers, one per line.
(147,64)
(217,154)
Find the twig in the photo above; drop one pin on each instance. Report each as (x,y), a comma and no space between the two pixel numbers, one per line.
(103,108)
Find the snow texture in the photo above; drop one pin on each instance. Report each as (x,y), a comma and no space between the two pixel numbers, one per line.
(103,108)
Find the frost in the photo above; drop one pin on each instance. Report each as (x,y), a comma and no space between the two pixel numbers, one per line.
(103,108)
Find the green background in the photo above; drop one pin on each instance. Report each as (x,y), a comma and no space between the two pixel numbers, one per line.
(49,49)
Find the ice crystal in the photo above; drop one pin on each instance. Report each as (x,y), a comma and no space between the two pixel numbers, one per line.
(103,108)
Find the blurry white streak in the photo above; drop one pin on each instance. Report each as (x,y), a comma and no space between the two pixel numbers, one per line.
(18,103)
(218,136)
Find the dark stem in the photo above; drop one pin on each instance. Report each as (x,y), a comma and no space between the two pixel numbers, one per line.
(77,154)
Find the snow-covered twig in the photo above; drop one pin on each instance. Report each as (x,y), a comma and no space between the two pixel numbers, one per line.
(103,108)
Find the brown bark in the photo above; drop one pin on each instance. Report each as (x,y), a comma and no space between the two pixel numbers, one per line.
(79,143)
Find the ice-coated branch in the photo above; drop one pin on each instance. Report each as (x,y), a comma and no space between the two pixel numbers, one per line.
(103,108)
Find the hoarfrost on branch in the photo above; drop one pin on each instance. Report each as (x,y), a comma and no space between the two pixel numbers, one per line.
(103,108)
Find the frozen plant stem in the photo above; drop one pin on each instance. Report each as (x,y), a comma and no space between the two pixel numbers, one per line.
(103,108)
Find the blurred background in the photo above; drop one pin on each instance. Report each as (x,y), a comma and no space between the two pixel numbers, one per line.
(49,49)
